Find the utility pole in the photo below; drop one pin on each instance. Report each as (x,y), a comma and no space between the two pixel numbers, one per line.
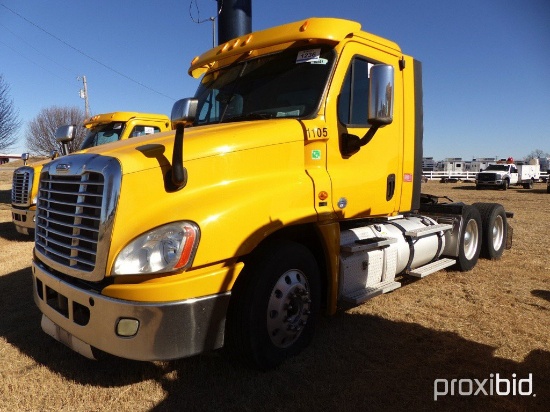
(84,95)
(213,20)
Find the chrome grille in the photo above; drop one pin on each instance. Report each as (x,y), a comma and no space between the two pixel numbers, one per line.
(487,177)
(76,201)
(68,223)
(21,186)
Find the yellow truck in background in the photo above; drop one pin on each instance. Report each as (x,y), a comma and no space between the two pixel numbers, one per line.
(297,188)
(103,128)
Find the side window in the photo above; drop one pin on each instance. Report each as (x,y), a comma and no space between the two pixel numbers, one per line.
(353,100)
(143,130)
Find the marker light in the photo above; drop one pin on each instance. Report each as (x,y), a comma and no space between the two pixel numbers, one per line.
(127,327)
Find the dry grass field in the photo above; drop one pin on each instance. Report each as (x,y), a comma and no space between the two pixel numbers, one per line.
(383,355)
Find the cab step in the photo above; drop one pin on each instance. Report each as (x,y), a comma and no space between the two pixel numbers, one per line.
(361,295)
(368,244)
(427,230)
(430,268)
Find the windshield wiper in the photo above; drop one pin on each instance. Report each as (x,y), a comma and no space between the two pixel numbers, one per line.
(251,116)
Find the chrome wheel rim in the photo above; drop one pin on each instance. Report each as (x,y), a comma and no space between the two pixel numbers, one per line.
(498,233)
(288,308)
(471,239)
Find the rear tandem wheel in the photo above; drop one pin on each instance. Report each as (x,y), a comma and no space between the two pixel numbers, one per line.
(495,229)
(470,239)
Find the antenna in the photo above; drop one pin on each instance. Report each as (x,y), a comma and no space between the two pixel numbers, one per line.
(211,19)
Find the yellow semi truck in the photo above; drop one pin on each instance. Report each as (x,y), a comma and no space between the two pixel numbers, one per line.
(297,187)
(103,128)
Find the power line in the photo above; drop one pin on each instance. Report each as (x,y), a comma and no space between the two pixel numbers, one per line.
(211,19)
(86,55)
(33,62)
(36,50)
(85,92)
(198,20)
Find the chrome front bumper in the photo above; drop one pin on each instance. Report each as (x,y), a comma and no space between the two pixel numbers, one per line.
(489,182)
(84,319)
(23,219)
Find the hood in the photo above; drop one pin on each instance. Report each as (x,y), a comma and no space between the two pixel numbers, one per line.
(155,150)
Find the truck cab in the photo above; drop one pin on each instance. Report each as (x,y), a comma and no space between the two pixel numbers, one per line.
(102,129)
(503,175)
(296,189)
(497,175)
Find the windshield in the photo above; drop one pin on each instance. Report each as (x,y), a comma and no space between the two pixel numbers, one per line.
(104,133)
(284,84)
(502,168)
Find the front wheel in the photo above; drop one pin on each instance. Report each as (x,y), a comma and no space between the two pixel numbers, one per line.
(273,305)
(494,233)
(470,239)
(505,184)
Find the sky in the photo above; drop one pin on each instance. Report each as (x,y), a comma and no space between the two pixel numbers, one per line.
(486,63)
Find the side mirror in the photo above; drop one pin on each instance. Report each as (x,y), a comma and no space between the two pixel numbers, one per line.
(380,108)
(65,134)
(381,95)
(184,112)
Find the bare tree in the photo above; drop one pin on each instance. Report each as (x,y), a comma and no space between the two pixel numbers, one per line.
(536,154)
(41,130)
(9,121)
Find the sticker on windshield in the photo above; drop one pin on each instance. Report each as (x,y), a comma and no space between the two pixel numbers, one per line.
(307,56)
(318,61)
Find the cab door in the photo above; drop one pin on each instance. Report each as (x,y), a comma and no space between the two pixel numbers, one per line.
(364,183)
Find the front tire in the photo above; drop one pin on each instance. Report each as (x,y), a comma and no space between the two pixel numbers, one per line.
(470,239)
(274,305)
(505,184)
(495,228)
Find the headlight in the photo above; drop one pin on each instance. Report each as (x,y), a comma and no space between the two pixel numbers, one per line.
(162,249)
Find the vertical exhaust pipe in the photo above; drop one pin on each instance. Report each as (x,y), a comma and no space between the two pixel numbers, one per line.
(235,19)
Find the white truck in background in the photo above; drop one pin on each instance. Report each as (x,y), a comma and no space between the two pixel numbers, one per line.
(502,175)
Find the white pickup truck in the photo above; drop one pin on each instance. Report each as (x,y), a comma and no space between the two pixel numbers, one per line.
(505,174)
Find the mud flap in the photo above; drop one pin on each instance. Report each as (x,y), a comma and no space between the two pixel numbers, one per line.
(509,235)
